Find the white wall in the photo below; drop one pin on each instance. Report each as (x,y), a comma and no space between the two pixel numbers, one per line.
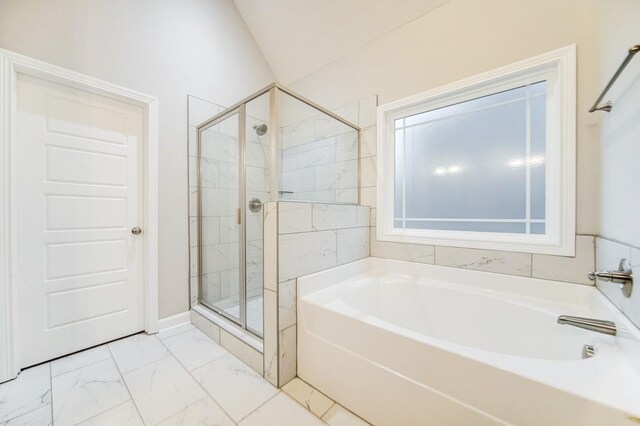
(620,129)
(466,37)
(164,48)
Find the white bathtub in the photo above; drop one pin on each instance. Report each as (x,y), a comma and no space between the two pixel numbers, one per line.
(401,343)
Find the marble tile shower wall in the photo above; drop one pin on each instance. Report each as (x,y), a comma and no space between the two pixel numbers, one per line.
(608,256)
(219,192)
(567,269)
(319,158)
(302,238)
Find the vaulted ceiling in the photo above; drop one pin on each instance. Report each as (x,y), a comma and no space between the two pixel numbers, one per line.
(298,37)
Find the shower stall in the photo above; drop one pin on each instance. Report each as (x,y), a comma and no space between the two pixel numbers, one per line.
(274,145)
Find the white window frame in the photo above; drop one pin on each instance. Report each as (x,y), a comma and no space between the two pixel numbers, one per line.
(558,68)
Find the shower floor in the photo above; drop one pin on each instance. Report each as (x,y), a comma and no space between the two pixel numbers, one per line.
(254,313)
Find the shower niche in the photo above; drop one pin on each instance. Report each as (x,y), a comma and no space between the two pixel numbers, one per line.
(274,145)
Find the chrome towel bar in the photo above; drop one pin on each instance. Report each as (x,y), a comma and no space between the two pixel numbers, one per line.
(608,105)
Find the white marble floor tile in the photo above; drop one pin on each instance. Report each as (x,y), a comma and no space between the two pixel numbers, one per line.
(315,401)
(174,331)
(281,410)
(161,389)
(340,416)
(79,360)
(204,412)
(86,392)
(236,387)
(136,351)
(29,391)
(39,417)
(194,348)
(125,414)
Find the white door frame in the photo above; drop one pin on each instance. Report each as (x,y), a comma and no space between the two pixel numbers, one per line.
(10,65)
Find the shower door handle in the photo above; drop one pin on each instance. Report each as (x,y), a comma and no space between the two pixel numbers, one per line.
(255,205)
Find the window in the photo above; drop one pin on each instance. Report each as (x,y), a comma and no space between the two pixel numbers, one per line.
(488,162)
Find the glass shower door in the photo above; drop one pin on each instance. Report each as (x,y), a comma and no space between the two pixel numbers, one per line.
(257,189)
(220,229)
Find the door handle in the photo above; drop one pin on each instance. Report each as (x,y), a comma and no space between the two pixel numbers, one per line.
(255,205)
(136,231)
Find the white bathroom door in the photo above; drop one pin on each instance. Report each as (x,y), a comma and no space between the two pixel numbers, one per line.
(79,184)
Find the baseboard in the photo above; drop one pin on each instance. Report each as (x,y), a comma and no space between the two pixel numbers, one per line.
(174,321)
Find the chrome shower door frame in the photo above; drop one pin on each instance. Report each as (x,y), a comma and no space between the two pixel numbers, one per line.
(240,210)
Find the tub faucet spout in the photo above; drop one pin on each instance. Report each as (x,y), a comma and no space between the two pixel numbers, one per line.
(600,326)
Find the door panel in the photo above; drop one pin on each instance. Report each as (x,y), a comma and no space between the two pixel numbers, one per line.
(76,305)
(66,165)
(79,181)
(81,258)
(89,212)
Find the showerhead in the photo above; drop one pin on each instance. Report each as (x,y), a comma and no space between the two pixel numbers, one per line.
(261,129)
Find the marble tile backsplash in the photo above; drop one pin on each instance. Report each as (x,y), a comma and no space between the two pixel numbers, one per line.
(484,260)
(608,256)
(556,268)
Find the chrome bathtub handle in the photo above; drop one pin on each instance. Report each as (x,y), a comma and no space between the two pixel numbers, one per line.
(623,277)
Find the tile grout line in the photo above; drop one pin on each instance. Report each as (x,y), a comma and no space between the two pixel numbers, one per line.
(227,352)
(328,409)
(6,421)
(261,405)
(169,354)
(78,368)
(278,213)
(121,376)
(313,389)
(334,403)
(207,394)
(307,408)
(116,406)
(51,390)
(125,385)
